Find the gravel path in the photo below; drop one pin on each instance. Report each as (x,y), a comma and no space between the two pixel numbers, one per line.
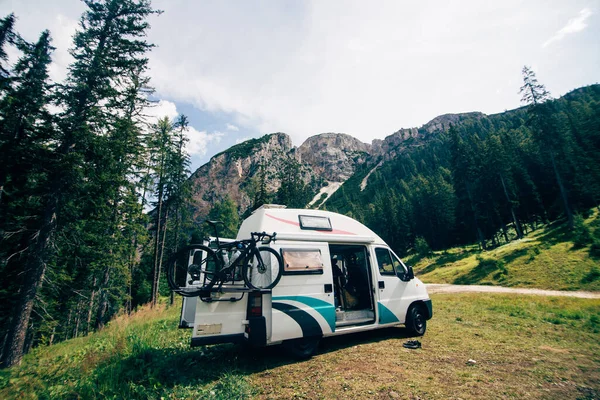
(447,288)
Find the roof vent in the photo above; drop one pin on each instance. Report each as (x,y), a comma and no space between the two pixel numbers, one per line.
(271,206)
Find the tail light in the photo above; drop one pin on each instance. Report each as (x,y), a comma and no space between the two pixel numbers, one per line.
(255,304)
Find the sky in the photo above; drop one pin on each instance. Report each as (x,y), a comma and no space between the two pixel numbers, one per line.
(242,69)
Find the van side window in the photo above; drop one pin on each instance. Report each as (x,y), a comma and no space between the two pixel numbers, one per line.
(302,261)
(397,264)
(384,261)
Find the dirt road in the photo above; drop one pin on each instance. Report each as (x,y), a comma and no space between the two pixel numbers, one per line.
(447,288)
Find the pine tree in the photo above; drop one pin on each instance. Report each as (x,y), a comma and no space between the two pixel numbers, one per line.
(542,119)
(225,211)
(106,48)
(160,148)
(464,176)
(24,128)
(7,36)
(293,192)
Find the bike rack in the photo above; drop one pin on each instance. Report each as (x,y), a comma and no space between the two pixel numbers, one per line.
(238,292)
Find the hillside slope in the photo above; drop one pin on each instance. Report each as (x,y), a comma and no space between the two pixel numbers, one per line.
(522,347)
(547,258)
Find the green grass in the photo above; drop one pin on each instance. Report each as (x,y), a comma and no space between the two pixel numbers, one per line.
(546,259)
(524,347)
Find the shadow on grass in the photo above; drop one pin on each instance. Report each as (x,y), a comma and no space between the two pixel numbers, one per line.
(556,232)
(171,367)
(482,270)
(447,258)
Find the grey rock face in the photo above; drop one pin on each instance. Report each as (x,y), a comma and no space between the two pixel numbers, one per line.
(331,157)
(334,156)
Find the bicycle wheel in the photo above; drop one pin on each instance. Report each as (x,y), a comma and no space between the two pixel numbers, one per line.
(192,269)
(263,269)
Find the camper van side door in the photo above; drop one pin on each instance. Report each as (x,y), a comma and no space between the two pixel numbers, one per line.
(391,304)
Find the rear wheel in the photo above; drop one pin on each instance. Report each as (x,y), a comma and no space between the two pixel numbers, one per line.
(263,269)
(192,270)
(303,348)
(416,321)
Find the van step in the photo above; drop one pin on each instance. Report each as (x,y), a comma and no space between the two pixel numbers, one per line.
(356,317)
(360,321)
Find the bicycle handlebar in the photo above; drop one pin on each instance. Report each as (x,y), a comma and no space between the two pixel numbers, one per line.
(260,236)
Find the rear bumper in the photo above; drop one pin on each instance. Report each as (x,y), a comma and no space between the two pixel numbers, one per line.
(218,339)
(429,308)
(255,334)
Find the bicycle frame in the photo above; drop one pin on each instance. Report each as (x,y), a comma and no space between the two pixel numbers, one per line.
(246,248)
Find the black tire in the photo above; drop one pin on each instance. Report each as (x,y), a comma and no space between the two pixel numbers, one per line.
(263,269)
(304,348)
(189,279)
(416,320)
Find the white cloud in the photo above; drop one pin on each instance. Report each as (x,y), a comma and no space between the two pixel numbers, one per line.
(348,66)
(62,30)
(345,65)
(161,109)
(231,127)
(574,25)
(199,141)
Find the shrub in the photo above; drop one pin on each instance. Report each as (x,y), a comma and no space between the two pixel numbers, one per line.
(487,265)
(422,247)
(581,233)
(591,276)
(595,248)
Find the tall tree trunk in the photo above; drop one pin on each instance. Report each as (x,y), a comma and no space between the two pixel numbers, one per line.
(35,267)
(175,249)
(157,248)
(102,299)
(160,257)
(474,212)
(77,319)
(91,307)
(512,209)
(563,192)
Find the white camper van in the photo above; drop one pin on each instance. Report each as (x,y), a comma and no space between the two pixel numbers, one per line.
(339,277)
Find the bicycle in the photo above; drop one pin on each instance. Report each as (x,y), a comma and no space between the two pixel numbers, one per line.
(259,267)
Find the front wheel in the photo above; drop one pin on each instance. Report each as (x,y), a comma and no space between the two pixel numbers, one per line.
(263,269)
(416,321)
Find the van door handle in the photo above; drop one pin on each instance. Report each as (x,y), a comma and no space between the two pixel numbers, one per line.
(381,285)
(328,288)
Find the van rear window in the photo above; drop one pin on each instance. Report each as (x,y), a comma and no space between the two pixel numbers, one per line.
(302,261)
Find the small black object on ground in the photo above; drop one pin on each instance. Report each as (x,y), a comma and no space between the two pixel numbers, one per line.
(412,344)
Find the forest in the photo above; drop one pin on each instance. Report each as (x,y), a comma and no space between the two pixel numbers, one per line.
(94,194)
(488,179)
(81,164)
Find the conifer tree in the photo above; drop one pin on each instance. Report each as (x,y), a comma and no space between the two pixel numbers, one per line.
(108,45)
(543,120)
(464,176)
(7,36)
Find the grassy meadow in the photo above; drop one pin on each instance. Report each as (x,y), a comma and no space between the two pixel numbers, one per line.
(548,258)
(523,347)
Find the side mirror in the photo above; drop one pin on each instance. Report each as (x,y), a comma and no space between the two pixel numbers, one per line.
(406,276)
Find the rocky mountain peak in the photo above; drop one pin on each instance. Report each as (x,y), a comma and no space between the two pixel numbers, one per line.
(334,156)
(443,122)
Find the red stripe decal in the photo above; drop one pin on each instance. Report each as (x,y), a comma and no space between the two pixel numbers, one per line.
(284,220)
(334,231)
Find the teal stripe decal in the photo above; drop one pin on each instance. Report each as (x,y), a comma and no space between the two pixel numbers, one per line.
(385,315)
(324,308)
